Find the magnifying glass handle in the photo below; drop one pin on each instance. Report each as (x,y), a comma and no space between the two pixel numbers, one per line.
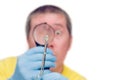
(43,59)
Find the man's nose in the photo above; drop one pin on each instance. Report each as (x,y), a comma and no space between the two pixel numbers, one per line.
(51,45)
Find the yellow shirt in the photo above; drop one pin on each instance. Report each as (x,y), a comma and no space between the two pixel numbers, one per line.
(7,67)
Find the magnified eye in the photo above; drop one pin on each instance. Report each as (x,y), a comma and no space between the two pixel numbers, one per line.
(58,32)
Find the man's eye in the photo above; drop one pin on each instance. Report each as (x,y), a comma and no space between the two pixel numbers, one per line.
(58,32)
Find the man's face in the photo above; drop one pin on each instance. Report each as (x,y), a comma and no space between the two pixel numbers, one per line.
(62,40)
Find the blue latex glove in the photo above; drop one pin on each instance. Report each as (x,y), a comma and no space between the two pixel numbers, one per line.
(53,76)
(28,65)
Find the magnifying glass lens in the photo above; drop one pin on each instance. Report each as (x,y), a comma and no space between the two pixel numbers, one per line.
(43,32)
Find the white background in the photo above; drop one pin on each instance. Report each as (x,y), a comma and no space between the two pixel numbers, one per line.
(95,52)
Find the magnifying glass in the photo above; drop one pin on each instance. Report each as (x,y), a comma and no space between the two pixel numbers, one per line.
(43,34)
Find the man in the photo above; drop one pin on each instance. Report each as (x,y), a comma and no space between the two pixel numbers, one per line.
(28,65)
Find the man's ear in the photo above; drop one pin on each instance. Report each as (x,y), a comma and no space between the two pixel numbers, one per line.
(30,42)
(70,43)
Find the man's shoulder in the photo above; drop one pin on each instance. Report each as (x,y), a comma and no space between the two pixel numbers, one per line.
(71,74)
(7,66)
(9,60)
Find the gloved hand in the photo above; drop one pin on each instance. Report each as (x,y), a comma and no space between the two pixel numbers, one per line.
(53,76)
(28,65)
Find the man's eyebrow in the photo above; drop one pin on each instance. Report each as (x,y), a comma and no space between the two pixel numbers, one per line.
(60,25)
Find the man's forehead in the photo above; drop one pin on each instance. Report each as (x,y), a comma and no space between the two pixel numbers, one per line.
(55,19)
